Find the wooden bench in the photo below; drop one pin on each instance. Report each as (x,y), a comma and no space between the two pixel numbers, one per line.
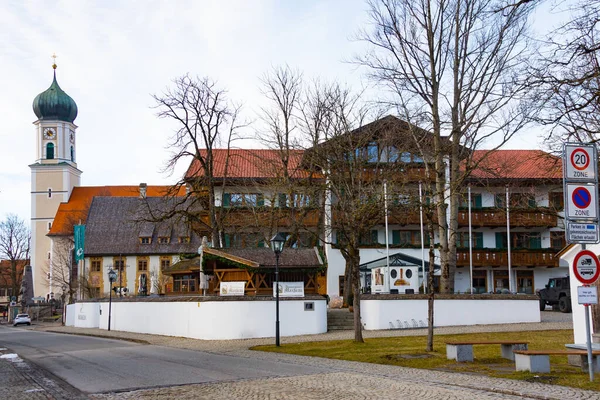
(463,351)
(539,360)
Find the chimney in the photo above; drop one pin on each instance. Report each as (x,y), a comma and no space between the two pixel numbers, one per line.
(143,188)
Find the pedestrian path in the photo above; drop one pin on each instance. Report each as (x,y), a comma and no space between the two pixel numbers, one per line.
(21,380)
(347,380)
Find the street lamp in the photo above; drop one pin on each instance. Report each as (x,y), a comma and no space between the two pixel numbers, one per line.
(112,277)
(277,243)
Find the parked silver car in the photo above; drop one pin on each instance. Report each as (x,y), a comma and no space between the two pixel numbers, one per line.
(22,319)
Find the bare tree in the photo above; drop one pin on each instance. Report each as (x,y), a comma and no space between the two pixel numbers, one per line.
(569,71)
(206,119)
(15,240)
(455,68)
(61,270)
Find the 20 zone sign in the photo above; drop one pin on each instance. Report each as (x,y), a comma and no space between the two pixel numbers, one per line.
(578,162)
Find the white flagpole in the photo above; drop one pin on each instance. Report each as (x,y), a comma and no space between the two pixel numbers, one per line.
(470,241)
(422,239)
(387,286)
(510,286)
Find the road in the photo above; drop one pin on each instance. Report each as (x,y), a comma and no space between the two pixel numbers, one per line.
(96,365)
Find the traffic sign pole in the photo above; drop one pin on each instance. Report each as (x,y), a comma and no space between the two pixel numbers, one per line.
(588,336)
(580,188)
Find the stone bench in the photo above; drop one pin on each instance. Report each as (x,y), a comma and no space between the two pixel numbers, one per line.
(463,351)
(539,360)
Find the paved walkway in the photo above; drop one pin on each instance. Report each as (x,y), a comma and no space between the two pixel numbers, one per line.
(21,380)
(347,380)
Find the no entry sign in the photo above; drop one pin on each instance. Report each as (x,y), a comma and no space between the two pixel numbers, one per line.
(585,267)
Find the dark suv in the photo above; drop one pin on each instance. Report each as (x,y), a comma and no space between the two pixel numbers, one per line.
(556,293)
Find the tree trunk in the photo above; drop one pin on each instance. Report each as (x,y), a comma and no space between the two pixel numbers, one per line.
(430,290)
(348,282)
(358,337)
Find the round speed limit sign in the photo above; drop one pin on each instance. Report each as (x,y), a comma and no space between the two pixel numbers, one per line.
(580,159)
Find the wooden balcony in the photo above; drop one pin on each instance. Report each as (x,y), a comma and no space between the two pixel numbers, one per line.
(519,258)
(248,217)
(494,217)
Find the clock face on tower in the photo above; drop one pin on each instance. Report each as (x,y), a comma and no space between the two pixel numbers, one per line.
(49,133)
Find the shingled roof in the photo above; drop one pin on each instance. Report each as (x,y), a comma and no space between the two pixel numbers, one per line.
(75,211)
(255,258)
(114,226)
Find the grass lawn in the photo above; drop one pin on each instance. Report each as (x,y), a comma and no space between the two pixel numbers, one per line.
(409,351)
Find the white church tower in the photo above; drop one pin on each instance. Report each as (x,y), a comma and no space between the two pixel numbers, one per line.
(53,175)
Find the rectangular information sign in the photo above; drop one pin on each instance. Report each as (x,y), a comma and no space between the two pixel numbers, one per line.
(582,232)
(587,294)
(232,288)
(290,289)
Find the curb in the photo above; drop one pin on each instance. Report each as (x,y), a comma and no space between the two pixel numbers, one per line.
(138,341)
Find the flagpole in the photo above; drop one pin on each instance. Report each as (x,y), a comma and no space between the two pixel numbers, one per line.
(470,240)
(422,238)
(387,241)
(510,286)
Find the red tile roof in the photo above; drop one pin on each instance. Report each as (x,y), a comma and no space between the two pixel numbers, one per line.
(517,164)
(250,164)
(75,211)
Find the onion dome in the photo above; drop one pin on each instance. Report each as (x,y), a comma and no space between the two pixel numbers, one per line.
(54,103)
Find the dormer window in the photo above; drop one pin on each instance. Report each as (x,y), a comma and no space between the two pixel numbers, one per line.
(184,239)
(163,240)
(145,240)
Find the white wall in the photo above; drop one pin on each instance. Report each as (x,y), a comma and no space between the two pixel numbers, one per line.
(83,315)
(377,314)
(211,320)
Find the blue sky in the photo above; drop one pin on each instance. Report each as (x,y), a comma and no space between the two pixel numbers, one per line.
(112,55)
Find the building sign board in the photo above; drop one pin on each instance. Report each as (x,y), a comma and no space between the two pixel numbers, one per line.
(582,232)
(290,289)
(587,294)
(232,288)
(579,162)
(585,267)
(582,201)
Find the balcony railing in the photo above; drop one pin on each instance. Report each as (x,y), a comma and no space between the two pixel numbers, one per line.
(281,216)
(519,258)
(496,217)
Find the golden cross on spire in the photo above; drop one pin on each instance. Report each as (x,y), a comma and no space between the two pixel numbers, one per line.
(54,63)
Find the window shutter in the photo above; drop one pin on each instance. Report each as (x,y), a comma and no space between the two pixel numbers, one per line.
(374,236)
(477,200)
(531,202)
(395,237)
(478,240)
(535,242)
(500,240)
(226,199)
(260,200)
(227,240)
(282,200)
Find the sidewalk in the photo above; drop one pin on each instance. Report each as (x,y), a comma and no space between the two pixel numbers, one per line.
(346,380)
(21,380)
(244,344)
